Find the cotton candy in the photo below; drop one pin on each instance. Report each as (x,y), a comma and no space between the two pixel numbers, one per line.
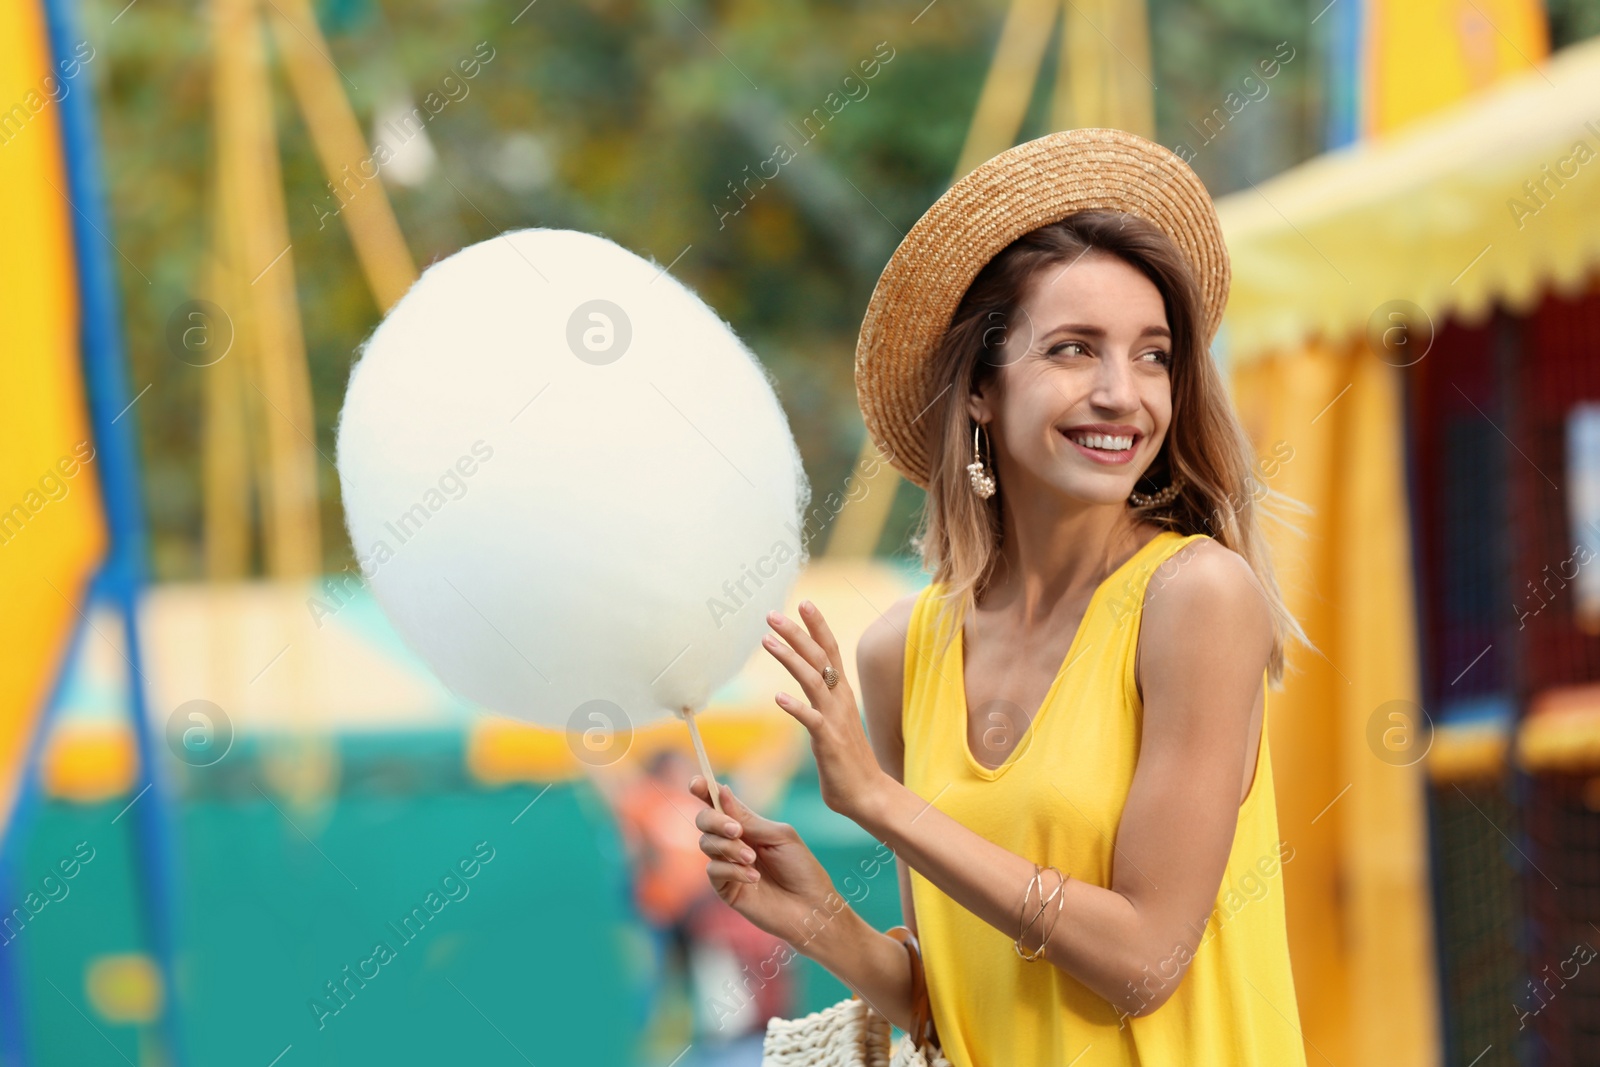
(568,481)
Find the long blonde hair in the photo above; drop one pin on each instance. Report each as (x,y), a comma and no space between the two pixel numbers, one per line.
(959,534)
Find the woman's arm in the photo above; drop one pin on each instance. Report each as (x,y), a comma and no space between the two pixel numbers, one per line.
(1206,642)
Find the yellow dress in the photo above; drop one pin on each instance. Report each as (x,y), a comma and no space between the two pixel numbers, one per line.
(1057,799)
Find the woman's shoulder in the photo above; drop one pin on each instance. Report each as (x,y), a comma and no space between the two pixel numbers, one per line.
(1202,593)
(882,646)
(881,666)
(1202,566)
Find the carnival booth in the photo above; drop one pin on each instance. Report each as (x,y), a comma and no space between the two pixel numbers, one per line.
(1416,318)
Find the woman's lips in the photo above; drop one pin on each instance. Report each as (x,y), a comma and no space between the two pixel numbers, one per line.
(1100,455)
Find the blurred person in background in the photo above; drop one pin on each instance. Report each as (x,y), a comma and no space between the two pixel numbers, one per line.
(732,972)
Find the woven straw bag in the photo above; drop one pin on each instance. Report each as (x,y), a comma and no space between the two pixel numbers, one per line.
(852,1034)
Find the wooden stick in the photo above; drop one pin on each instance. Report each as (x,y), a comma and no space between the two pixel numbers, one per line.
(705,763)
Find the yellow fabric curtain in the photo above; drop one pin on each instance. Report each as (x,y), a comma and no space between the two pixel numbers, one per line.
(1358,902)
(51,533)
(1422,55)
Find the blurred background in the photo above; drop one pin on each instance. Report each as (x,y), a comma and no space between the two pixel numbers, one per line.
(242,824)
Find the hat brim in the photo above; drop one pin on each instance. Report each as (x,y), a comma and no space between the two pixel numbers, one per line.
(1021,189)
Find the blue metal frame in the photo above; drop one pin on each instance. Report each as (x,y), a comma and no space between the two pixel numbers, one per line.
(122,574)
(1345,76)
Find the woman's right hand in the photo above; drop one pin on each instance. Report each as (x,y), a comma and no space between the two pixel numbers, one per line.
(782,889)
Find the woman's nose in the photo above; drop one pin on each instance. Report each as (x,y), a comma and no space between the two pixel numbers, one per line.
(1114,388)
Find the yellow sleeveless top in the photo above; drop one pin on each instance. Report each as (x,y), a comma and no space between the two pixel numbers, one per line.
(1057,799)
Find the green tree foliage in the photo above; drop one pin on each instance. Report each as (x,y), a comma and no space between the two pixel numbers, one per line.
(633,119)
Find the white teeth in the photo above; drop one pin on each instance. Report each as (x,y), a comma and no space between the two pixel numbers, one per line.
(1104,442)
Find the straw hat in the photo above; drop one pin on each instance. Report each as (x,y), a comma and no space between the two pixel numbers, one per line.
(1019,190)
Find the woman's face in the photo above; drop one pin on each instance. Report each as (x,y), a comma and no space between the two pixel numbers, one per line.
(1083,398)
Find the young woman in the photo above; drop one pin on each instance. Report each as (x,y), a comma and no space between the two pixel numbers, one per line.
(1065,741)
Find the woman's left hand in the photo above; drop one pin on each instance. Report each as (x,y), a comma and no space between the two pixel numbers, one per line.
(847,769)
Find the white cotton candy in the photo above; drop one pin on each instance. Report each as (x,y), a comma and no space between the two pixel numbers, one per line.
(548,522)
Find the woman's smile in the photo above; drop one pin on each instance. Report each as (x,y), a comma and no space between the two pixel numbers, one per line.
(1112,446)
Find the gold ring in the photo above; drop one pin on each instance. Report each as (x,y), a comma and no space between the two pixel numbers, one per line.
(830,676)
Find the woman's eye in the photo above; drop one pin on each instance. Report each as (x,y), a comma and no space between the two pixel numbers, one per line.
(1164,358)
(1066,345)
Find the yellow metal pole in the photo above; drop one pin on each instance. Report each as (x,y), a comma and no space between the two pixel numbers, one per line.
(1138,73)
(346,158)
(862,518)
(1009,86)
(1105,77)
(226,472)
(225,459)
(261,262)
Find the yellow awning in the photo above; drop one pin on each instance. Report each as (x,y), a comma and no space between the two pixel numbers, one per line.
(1494,199)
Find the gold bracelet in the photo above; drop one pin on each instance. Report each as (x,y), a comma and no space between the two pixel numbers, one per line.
(1060,897)
(1045,903)
(1037,952)
(1022,926)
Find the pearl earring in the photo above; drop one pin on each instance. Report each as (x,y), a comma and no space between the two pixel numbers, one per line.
(1160,497)
(982,481)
